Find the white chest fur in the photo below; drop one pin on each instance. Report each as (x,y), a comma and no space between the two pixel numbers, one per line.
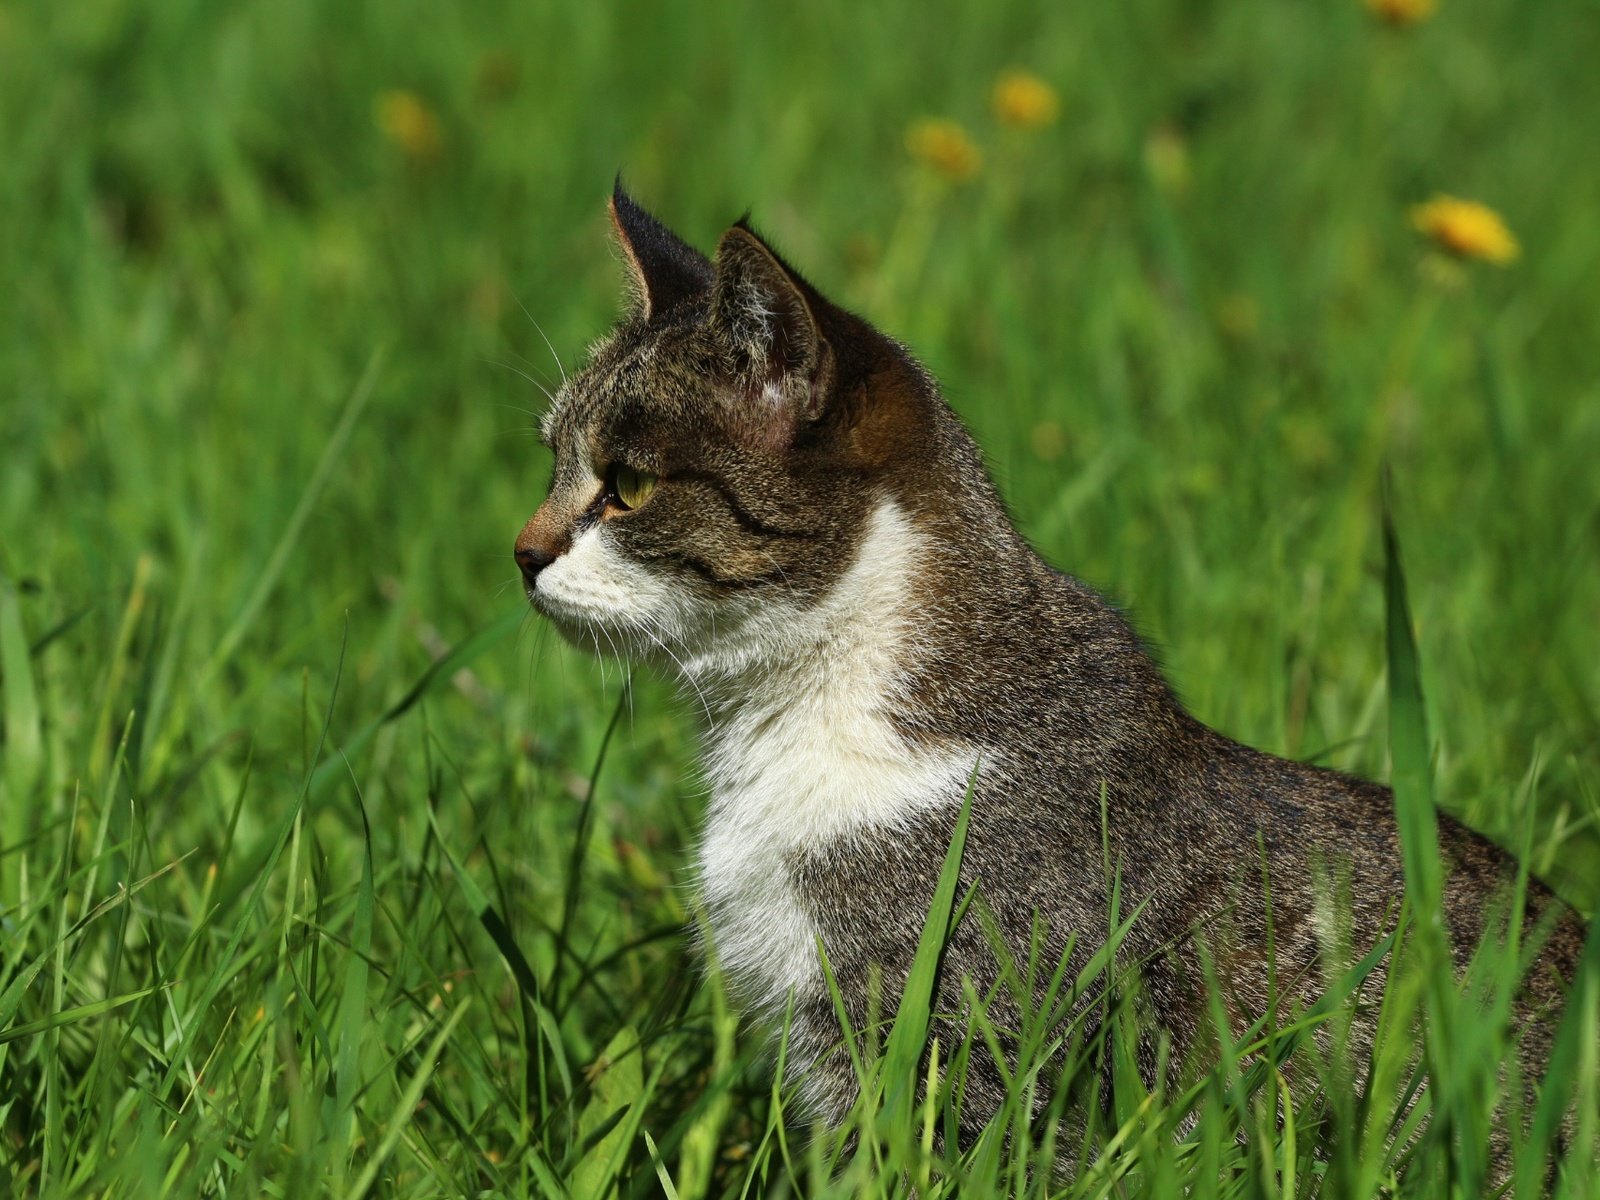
(806,756)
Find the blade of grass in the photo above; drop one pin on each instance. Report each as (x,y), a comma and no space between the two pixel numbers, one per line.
(11,998)
(24,746)
(1580,1025)
(352,1014)
(400,1119)
(667,1188)
(1413,782)
(1453,1072)
(459,655)
(618,1083)
(117,667)
(279,558)
(521,970)
(903,1055)
(580,847)
(81,1012)
(224,965)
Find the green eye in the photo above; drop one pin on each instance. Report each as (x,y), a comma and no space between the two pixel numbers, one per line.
(630,488)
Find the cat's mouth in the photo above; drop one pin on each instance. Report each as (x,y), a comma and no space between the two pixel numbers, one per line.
(589,627)
(568,616)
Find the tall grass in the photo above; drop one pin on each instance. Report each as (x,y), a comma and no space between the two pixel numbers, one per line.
(325,870)
(369,1065)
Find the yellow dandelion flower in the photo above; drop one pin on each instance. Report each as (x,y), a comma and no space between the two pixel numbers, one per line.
(1025,100)
(1401,13)
(1466,229)
(946,147)
(408,122)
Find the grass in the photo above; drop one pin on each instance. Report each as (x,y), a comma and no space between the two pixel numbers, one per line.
(325,870)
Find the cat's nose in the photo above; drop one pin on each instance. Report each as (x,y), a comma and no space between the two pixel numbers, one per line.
(532,561)
(543,539)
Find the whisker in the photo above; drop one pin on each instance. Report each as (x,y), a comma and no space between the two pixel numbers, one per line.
(627,676)
(778,567)
(530,365)
(548,394)
(535,651)
(599,655)
(684,672)
(517,408)
(547,342)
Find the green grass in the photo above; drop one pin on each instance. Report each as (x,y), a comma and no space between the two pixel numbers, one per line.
(326,870)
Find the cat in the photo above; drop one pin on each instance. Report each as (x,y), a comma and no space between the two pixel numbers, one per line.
(767,497)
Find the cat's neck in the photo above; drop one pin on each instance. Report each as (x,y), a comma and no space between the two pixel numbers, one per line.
(803,741)
(860,638)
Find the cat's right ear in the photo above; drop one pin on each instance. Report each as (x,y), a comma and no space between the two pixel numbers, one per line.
(663,268)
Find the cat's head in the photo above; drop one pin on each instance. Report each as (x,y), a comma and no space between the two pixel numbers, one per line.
(720,457)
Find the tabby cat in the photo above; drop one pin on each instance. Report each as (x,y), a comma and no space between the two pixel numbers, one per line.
(767,497)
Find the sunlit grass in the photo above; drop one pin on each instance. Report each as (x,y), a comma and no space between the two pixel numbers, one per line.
(325,869)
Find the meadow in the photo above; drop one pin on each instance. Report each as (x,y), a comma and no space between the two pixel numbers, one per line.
(326,869)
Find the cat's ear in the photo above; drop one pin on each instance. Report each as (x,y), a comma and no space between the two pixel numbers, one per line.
(664,269)
(768,315)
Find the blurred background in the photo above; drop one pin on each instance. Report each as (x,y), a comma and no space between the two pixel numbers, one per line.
(286,286)
(1163,257)
(1166,267)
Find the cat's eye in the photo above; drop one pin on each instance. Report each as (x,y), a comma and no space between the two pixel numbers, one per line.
(629,488)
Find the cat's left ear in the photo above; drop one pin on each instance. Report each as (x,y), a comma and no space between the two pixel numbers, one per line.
(767,315)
